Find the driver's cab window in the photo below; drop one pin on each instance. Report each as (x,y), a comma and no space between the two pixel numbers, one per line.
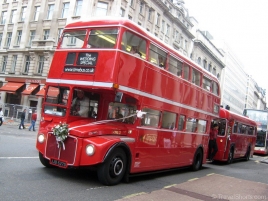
(84,103)
(56,100)
(52,95)
(222,126)
(122,112)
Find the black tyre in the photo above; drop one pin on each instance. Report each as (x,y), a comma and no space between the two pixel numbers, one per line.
(198,159)
(44,161)
(247,155)
(113,169)
(230,156)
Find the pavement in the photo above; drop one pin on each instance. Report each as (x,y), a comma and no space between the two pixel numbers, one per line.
(16,123)
(209,188)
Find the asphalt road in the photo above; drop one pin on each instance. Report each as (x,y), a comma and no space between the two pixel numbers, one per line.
(22,176)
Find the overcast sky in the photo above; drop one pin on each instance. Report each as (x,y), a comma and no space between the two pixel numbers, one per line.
(243,24)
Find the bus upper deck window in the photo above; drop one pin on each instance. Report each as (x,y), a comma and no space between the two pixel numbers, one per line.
(129,40)
(73,39)
(102,38)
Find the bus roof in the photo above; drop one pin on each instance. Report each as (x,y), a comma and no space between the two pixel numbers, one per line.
(231,115)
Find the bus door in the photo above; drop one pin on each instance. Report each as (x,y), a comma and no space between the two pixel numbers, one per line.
(229,135)
(222,139)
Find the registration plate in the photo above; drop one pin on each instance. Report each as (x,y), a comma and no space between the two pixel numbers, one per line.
(58,163)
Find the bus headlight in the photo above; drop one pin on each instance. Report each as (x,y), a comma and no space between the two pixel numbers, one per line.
(90,149)
(41,138)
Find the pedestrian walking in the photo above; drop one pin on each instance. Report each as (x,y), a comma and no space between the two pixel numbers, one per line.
(22,118)
(1,117)
(34,117)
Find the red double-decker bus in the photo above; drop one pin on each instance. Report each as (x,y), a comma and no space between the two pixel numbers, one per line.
(119,100)
(236,136)
(261,117)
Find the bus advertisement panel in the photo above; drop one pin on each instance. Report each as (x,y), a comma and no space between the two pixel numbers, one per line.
(236,136)
(261,117)
(112,104)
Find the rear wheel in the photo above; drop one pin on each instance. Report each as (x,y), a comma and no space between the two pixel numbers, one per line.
(198,158)
(113,169)
(44,161)
(230,156)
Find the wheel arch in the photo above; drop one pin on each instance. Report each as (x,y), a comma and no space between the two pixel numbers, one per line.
(125,148)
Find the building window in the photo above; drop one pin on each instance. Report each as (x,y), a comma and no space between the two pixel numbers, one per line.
(18,39)
(36,13)
(1,37)
(176,36)
(158,19)
(32,35)
(199,60)
(46,34)
(214,71)
(13,14)
(78,7)
(167,30)
(50,11)
(101,9)
(129,17)
(163,26)
(150,14)
(3,17)
(141,7)
(4,64)
(122,12)
(185,45)
(40,64)
(209,67)
(65,10)
(182,42)
(27,64)
(8,39)
(178,14)
(14,63)
(131,2)
(22,14)
(205,64)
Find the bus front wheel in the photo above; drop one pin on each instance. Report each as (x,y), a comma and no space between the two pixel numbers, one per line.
(44,161)
(198,159)
(113,169)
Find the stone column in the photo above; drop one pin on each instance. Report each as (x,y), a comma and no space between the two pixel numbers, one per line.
(32,63)
(19,65)
(46,64)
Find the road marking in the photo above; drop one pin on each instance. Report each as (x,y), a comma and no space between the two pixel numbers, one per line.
(210,174)
(98,187)
(17,157)
(170,185)
(193,179)
(135,194)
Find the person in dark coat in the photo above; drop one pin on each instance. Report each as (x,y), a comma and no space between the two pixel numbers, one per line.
(22,118)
